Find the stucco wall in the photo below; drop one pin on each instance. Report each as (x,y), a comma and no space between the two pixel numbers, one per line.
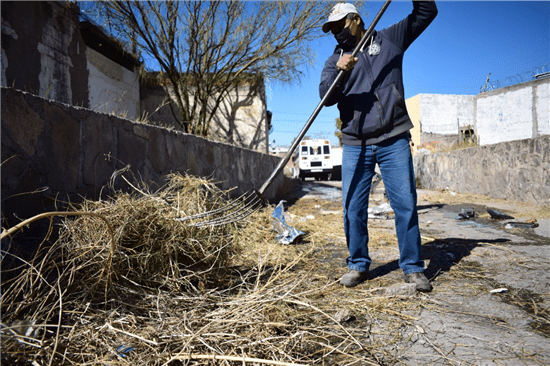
(516,170)
(241,118)
(513,113)
(413,108)
(445,113)
(74,152)
(113,88)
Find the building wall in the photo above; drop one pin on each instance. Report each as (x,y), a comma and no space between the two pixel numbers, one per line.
(444,114)
(241,119)
(112,88)
(43,52)
(513,113)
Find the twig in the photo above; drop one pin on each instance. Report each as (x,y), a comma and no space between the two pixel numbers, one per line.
(132,335)
(234,358)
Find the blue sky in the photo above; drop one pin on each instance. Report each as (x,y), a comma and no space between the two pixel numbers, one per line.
(466,41)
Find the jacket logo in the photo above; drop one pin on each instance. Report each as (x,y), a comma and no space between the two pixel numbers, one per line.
(374,49)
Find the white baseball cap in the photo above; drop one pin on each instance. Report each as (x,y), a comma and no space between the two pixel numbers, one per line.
(339,12)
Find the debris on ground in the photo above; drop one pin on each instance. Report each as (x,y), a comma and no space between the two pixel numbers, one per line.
(286,234)
(522,225)
(497,215)
(380,212)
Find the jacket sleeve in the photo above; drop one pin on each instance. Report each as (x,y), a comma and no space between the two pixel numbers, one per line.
(328,75)
(406,31)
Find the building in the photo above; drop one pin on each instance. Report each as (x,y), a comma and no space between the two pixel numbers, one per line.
(48,51)
(511,113)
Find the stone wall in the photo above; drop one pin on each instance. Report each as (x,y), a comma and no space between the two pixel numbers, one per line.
(515,170)
(72,152)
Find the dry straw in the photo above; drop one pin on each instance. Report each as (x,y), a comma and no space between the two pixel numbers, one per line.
(126,283)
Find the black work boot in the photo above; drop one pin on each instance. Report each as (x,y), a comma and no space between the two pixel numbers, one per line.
(353,278)
(422,283)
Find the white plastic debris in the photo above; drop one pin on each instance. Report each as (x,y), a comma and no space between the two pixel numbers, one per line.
(384,208)
(287,234)
(499,290)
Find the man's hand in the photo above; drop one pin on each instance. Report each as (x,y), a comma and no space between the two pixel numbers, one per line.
(346,63)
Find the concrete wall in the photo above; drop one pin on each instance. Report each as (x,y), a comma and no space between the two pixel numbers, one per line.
(516,170)
(516,112)
(112,87)
(513,113)
(444,114)
(241,119)
(75,151)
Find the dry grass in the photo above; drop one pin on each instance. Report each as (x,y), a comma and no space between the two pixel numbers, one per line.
(125,273)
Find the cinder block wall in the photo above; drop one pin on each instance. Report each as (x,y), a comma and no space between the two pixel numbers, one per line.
(515,170)
(73,152)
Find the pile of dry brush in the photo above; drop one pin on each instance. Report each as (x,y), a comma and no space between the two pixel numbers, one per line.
(128,284)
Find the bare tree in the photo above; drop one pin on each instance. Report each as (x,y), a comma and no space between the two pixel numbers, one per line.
(206,49)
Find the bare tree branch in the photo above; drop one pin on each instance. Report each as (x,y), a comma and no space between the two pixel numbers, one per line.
(206,49)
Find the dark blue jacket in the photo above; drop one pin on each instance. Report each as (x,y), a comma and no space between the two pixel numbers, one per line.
(370,97)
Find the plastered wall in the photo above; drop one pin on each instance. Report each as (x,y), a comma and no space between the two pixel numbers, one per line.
(513,113)
(112,88)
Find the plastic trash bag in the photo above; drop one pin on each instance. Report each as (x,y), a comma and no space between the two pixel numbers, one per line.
(287,234)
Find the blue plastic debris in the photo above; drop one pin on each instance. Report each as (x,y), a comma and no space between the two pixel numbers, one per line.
(123,350)
(287,234)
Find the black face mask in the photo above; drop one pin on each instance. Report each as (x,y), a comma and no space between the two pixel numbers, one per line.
(346,39)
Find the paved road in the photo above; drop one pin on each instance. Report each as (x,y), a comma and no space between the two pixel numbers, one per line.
(463,322)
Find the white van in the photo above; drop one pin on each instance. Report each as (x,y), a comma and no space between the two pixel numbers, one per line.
(315,159)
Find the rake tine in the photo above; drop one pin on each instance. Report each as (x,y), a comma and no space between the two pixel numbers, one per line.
(233,216)
(227,207)
(236,210)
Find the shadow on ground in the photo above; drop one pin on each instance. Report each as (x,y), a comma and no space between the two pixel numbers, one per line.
(442,255)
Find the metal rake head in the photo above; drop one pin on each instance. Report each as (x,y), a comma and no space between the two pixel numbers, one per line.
(234,211)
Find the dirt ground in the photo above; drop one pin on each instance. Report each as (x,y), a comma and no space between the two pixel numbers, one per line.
(491,299)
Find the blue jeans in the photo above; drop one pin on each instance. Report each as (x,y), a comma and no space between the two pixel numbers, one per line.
(393,156)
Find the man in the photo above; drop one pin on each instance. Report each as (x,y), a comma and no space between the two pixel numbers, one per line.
(375,131)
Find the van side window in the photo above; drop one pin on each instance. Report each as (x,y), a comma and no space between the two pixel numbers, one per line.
(326,149)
